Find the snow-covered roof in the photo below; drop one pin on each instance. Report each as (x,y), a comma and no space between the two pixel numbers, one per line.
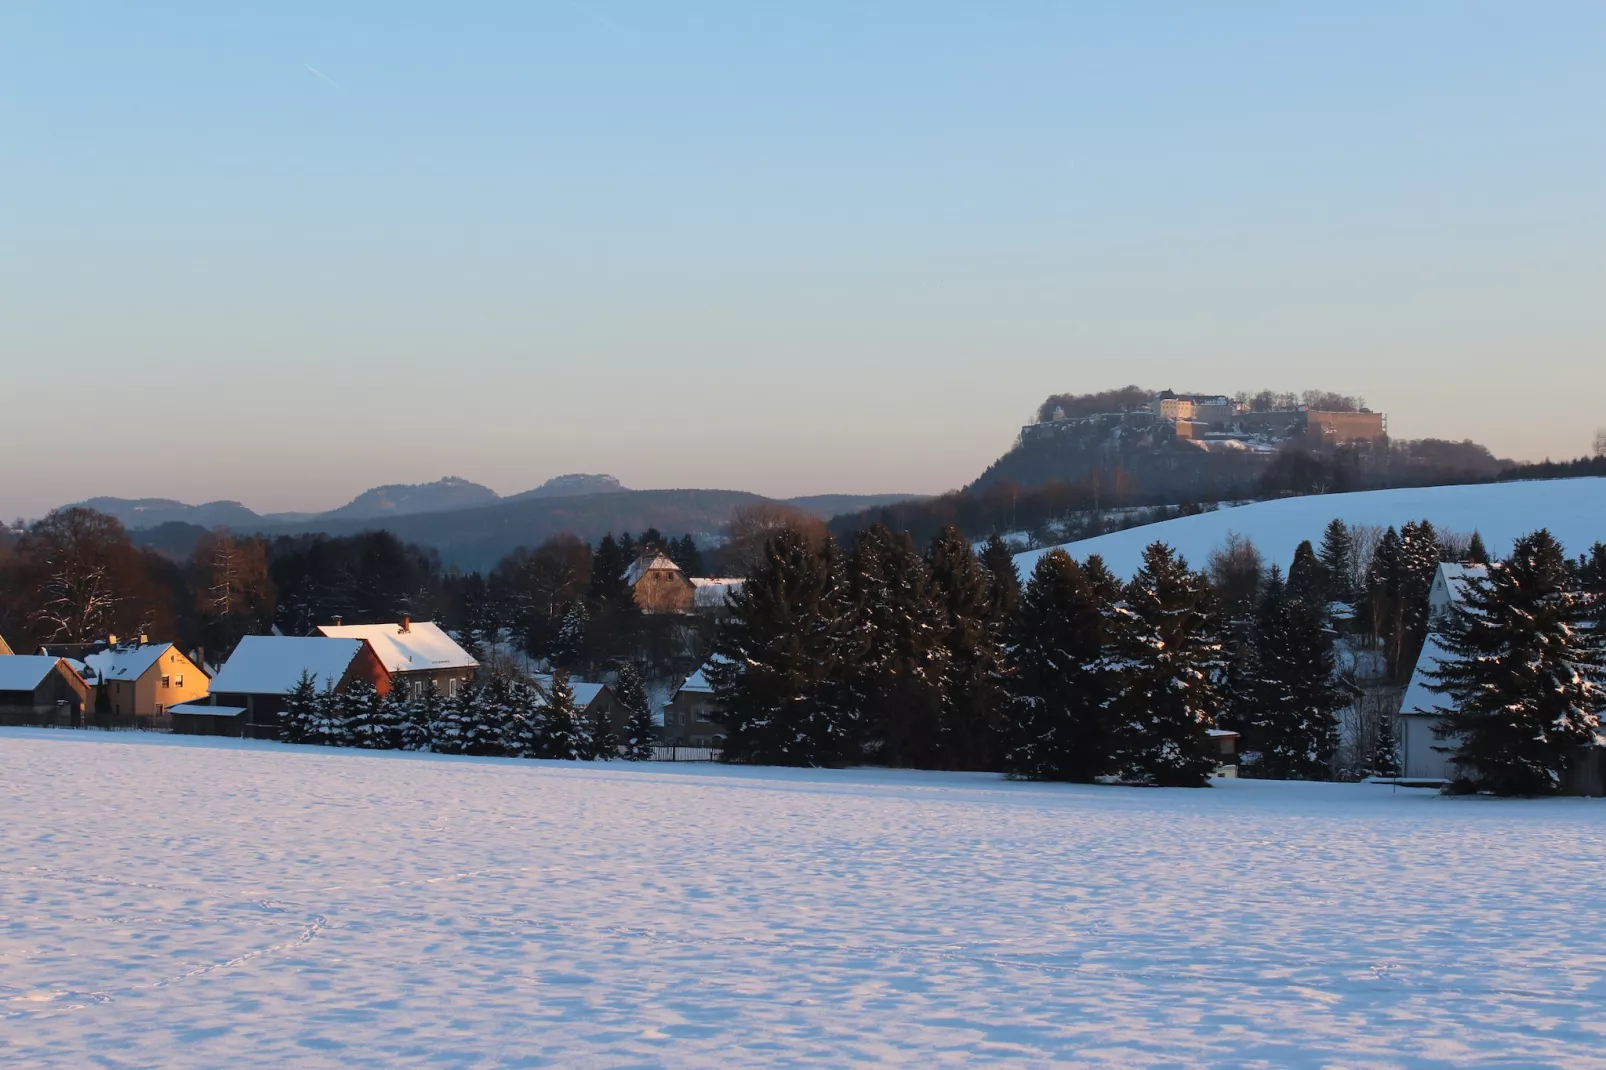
(697,683)
(273,664)
(710,592)
(423,646)
(1419,701)
(24,672)
(648,563)
(203,709)
(585,694)
(125,662)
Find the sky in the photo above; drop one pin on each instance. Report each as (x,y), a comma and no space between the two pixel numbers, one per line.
(282,252)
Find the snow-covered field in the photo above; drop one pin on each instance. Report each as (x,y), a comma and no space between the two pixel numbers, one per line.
(1573,509)
(183,903)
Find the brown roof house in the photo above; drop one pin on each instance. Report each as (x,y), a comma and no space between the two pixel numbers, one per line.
(413,653)
(250,691)
(659,586)
(39,689)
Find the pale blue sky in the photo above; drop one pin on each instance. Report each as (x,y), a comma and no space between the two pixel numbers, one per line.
(835,247)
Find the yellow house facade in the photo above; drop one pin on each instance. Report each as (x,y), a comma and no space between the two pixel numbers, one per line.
(145,680)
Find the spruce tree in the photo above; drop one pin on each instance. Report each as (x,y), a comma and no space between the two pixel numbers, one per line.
(896,666)
(331,723)
(777,676)
(1476,554)
(1592,582)
(1420,553)
(641,734)
(363,721)
(1383,755)
(1059,720)
(523,731)
(496,712)
(1168,694)
(422,713)
(973,642)
(999,561)
(1337,557)
(299,722)
(394,710)
(569,646)
(458,729)
(1523,671)
(601,742)
(561,733)
(1294,728)
(1307,580)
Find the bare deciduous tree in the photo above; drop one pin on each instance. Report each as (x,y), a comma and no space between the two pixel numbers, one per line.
(81,564)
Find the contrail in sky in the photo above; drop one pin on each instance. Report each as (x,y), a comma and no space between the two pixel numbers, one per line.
(324,76)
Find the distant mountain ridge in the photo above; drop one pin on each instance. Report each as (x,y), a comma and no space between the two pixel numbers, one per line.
(405,499)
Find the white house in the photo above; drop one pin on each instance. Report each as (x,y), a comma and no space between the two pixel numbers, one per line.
(1424,748)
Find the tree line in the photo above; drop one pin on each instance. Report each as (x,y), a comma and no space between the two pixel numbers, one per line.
(941,659)
(501,716)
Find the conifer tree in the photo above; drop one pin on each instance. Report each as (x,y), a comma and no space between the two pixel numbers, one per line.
(524,729)
(608,566)
(392,716)
(777,676)
(561,734)
(1523,672)
(1060,721)
(363,727)
(496,713)
(1294,728)
(422,713)
(973,642)
(1168,695)
(1307,581)
(332,729)
(641,734)
(896,668)
(1383,756)
(1004,578)
(1420,553)
(458,729)
(570,643)
(1476,554)
(600,741)
(1337,558)
(299,723)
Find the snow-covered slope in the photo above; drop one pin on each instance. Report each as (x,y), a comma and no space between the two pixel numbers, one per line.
(1573,509)
(183,903)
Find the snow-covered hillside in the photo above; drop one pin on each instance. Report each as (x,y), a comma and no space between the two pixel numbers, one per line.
(201,903)
(1573,509)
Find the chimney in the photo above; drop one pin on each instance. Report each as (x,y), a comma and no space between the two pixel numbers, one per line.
(144,639)
(337,618)
(406,623)
(111,640)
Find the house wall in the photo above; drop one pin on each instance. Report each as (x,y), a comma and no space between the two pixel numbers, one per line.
(1418,759)
(688,721)
(414,683)
(664,591)
(1345,426)
(367,666)
(146,694)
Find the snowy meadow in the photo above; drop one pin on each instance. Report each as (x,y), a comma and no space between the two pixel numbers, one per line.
(199,903)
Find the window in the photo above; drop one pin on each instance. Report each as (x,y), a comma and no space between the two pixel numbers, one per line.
(158,709)
(418,689)
(164,681)
(451,687)
(178,681)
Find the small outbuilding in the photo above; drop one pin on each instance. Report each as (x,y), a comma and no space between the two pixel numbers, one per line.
(36,689)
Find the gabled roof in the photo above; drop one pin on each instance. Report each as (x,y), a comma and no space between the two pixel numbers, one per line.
(585,694)
(125,663)
(1458,577)
(24,672)
(273,664)
(423,646)
(697,683)
(654,562)
(710,591)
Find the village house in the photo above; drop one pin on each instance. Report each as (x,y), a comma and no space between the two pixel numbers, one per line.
(659,586)
(414,653)
(1424,747)
(39,689)
(250,691)
(141,679)
(689,715)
